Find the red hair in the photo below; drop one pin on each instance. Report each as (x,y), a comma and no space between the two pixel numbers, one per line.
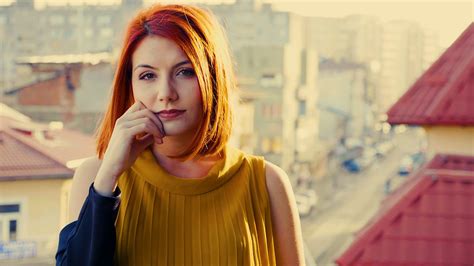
(199,35)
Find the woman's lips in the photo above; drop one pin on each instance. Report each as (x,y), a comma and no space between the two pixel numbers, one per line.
(170,114)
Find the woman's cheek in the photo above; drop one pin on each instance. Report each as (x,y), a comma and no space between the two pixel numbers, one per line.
(141,96)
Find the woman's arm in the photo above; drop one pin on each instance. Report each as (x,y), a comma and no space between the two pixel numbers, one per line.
(285,218)
(91,241)
(90,237)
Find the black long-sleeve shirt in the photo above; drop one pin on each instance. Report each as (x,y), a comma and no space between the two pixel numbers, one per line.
(91,239)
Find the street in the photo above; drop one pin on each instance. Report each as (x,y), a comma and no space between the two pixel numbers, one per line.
(329,230)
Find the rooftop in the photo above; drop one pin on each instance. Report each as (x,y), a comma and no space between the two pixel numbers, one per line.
(31,150)
(428,221)
(444,94)
(87,58)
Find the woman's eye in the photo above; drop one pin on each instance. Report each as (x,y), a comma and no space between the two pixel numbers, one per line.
(147,76)
(186,72)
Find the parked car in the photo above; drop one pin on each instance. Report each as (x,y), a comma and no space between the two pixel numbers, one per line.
(305,201)
(352,143)
(383,148)
(411,162)
(365,160)
(406,166)
(418,158)
(351,166)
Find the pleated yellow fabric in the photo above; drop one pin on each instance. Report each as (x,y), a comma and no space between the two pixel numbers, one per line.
(222,219)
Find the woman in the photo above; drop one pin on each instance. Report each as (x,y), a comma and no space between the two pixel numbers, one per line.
(166,188)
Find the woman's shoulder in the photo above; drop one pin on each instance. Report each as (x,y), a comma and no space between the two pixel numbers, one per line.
(286,225)
(84,176)
(271,170)
(91,162)
(276,177)
(89,166)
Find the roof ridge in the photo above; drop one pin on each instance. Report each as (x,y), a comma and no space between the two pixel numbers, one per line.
(437,239)
(449,85)
(34,146)
(386,216)
(410,203)
(431,215)
(449,172)
(440,95)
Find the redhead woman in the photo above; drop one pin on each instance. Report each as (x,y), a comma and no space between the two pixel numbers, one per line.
(166,188)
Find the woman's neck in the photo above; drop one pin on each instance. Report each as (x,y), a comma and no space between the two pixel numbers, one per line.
(197,167)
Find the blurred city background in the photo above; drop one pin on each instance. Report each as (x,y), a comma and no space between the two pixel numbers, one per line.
(368,106)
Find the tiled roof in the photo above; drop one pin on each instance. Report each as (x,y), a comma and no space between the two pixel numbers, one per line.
(20,161)
(87,58)
(26,152)
(7,111)
(429,221)
(444,94)
(32,80)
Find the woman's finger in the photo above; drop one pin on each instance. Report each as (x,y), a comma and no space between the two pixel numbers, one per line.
(142,128)
(144,120)
(134,107)
(150,115)
(147,135)
(144,142)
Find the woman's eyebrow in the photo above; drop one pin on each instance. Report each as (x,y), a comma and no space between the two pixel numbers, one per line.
(182,63)
(143,65)
(175,66)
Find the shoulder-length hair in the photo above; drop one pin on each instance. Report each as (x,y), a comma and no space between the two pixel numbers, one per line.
(197,32)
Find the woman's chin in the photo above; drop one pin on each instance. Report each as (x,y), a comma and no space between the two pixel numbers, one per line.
(176,132)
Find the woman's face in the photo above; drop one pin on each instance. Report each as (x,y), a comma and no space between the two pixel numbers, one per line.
(163,79)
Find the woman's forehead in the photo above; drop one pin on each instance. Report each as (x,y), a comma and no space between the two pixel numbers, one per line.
(158,51)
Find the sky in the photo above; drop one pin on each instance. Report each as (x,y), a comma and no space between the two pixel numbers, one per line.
(447,17)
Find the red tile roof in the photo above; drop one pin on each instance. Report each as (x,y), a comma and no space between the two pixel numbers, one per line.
(429,221)
(26,155)
(20,161)
(444,94)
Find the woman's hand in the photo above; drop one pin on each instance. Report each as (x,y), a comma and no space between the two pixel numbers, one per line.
(125,145)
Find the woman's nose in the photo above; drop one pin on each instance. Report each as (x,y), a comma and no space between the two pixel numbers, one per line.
(166,91)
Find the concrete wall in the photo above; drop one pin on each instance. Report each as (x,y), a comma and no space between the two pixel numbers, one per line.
(454,140)
(43,205)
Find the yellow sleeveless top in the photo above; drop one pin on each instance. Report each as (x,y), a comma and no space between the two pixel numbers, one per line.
(221,219)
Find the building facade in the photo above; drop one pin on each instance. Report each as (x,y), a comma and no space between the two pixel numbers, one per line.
(273,57)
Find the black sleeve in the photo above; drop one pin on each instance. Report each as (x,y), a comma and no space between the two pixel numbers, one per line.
(91,239)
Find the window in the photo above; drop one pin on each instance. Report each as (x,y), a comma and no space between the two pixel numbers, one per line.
(303,67)
(12,230)
(276,145)
(9,208)
(266,111)
(9,217)
(271,111)
(276,111)
(302,108)
(266,145)
(271,145)
(55,33)
(106,32)
(104,20)
(88,32)
(73,19)
(56,20)
(280,20)
(270,80)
